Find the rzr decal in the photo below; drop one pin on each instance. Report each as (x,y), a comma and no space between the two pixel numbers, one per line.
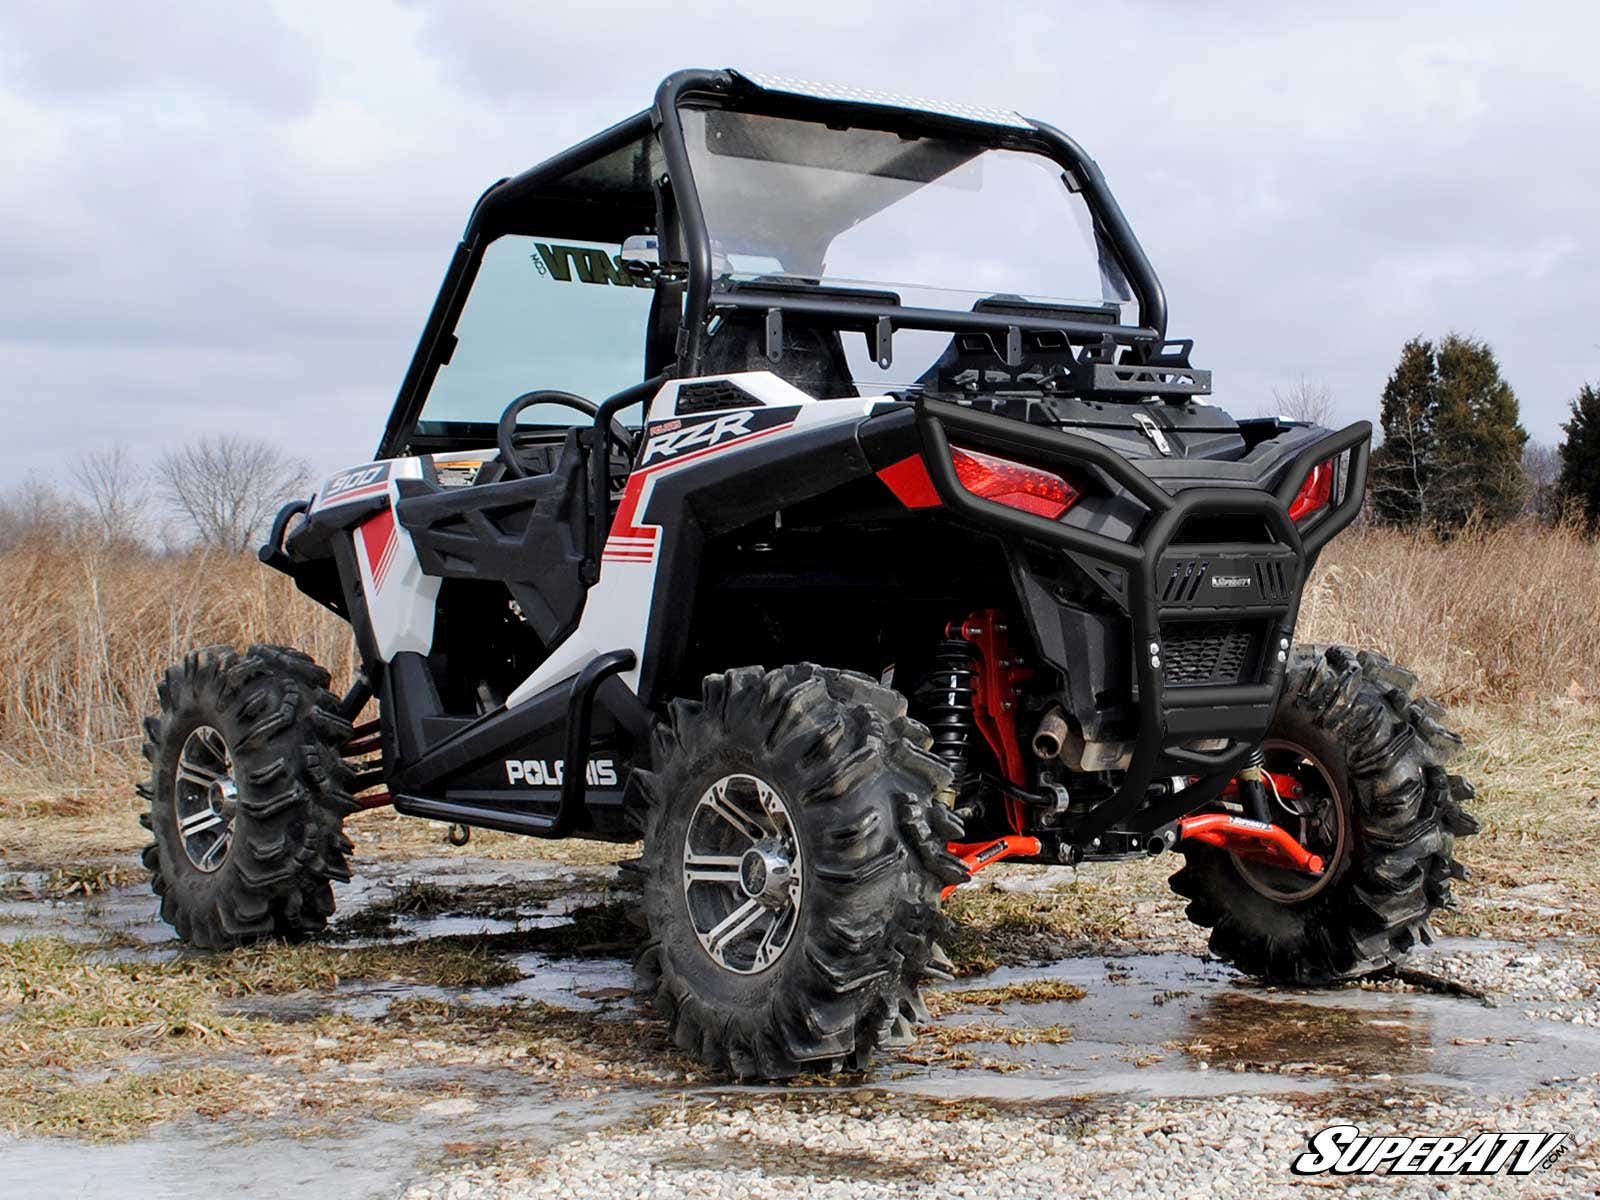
(672,444)
(358,483)
(669,439)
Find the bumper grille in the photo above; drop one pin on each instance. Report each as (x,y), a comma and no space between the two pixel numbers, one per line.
(1210,652)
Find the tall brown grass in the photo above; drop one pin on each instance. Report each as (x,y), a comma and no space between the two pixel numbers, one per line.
(85,630)
(1501,615)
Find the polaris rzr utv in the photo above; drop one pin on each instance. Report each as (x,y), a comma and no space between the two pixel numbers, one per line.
(803,481)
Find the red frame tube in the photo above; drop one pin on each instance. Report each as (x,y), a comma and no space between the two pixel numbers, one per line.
(1252,840)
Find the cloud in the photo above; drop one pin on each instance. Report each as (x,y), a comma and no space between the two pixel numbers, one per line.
(236,216)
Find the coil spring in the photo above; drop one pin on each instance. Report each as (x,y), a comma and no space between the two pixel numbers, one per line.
(945,700)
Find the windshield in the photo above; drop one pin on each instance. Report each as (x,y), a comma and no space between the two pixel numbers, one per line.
(940,222)
(542,313)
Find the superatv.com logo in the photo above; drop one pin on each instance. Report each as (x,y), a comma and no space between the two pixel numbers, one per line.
(1345,1150)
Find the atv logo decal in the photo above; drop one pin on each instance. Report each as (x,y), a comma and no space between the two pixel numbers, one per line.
(1231,581)
(358,483)
(536,772)
(588,263)
(1345,1150)
(673,444)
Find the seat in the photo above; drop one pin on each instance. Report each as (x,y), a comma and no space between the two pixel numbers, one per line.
(527,533)
(813,357)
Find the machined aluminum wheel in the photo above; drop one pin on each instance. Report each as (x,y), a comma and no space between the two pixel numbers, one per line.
(205,798)
(742,873)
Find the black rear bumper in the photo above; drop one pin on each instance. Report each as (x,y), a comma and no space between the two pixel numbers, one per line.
(1192,683)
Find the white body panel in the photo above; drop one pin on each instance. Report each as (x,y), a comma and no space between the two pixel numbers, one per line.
(401,599)
(616,615)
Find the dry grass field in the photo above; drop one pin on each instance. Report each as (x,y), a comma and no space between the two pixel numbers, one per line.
(1503,625)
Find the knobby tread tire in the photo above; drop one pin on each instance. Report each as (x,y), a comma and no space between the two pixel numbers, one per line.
(1387,751)
(273,707)
(860,784)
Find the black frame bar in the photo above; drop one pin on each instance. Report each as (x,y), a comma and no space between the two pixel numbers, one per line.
(1169,715)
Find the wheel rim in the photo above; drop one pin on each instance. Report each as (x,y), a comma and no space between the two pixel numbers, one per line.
(742,873)
(205,798)
(1325,831)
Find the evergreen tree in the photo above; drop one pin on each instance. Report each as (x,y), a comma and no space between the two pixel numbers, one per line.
(1478,440)
(1578,487)
(1452,446)
(1402,465)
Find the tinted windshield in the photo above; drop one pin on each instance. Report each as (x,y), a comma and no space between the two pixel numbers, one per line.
(543,313)
(941,222)
(928,215)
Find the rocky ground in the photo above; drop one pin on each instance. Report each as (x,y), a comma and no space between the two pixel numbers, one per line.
(466,1030)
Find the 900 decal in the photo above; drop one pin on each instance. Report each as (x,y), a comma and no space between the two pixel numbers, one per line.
(355,484)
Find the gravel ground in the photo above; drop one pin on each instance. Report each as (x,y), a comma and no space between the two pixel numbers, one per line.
(1546,985)
(873,1145)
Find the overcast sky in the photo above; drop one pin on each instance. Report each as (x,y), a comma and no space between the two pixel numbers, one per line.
(233,217)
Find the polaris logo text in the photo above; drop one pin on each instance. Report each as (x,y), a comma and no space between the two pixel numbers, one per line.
(535,772)
(1231,581)
(1345,1150)
(689,437)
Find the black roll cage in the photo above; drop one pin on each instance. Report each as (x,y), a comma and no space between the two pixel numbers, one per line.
(878,316)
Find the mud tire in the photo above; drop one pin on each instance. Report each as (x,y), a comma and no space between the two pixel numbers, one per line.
(273,707)
(1386,750)
(860,784)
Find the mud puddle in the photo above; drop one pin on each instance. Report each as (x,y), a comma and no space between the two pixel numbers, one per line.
(1158,1025)
(201,1160)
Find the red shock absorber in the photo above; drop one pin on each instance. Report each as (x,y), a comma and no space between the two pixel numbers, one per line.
(996,699)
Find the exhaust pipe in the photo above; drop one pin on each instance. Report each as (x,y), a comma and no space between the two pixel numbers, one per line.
(1162,840)
(1051,735)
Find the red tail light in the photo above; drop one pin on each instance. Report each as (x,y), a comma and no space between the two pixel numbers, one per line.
(1315,492)
(1014,484)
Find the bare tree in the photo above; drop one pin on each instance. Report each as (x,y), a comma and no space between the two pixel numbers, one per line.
(1305,400)
(36,510)
(1541,465)
(228,487)
(117,492)
(1399,477)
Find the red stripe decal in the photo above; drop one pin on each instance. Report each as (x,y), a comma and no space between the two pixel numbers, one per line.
(377,541)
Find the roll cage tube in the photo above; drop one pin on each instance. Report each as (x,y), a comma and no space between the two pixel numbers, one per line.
(729,89)
(438,334)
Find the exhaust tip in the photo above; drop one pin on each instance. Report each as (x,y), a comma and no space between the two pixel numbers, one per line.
(1161,841)
(1051,735)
